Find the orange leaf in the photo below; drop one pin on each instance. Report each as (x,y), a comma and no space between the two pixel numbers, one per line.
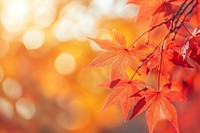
(149,8)
(170,112)
(116,55)
(153,112)
(121,92)
(175,96)
(145,10)
(156,103)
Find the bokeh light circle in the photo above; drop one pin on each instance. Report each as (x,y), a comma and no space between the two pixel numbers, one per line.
(44,15)
(65,64)
(33,38)
(25,108)
(6,108)
(12,88)
(62,30)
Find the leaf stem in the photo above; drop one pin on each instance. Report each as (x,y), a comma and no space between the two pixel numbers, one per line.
(152,28)
(160,67)
(175,26)
(139,38)
(161,58)
(143,61)
(187,30)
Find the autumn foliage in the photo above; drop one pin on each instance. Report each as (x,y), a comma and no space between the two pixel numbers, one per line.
(177,50)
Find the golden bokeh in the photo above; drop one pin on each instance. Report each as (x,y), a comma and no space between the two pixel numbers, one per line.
(65,64)
(33,38)
(43,50)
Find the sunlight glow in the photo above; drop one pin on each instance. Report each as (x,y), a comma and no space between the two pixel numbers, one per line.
(76,22)
(44,15)
(14,15)
(103,6)
(118,8)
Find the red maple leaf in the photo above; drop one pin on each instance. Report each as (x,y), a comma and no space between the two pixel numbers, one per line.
(157,105)
(122,89)
(195,16)
(155,60)
(164,56)
(167,7)
(179,60)
(191,49)
(116,54)
(169,56)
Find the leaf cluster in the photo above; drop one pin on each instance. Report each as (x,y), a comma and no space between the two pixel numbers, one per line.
(179,48)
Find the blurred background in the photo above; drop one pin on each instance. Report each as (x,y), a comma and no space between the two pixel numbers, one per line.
(43,48)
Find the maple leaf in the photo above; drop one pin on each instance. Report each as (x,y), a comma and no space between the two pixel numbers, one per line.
(155,6)
(191,47)
(195,16)
(167,8)
(178,59)
(145,10)
(157,104)
(169,56)
(193,51)
(122,89)
(116,54)
(155,60)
